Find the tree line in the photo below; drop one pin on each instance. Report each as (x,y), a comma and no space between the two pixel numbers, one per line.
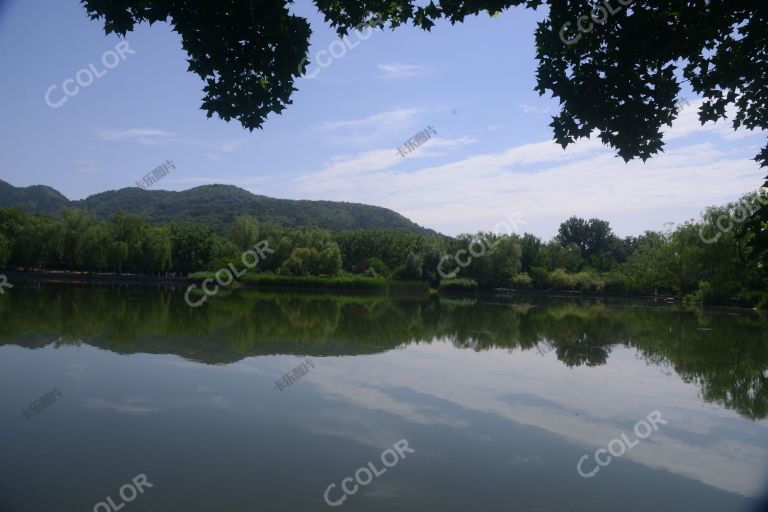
(710,260)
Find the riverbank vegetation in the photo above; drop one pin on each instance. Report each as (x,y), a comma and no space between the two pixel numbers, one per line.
(709,261)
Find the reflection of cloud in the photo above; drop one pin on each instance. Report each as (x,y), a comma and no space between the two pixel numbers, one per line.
(217,401)
(76,370)
(609,399)
(369,397)
(128,406)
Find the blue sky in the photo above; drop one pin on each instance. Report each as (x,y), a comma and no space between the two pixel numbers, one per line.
(492,158)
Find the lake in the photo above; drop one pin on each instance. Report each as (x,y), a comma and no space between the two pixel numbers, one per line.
(127,399)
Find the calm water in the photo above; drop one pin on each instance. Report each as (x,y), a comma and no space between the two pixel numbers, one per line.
(499,399)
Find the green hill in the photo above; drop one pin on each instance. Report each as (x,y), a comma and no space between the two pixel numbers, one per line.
(37,198)
(212,205)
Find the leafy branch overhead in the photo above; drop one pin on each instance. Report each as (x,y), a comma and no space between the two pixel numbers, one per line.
(246,52)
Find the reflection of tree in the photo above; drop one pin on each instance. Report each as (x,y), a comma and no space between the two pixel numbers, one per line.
(728,361)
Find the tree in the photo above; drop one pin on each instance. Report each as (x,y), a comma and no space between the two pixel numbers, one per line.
(244,232)
(530,246)
(156,250)
(594,238)
(74,225)
(5,250)
(192,246)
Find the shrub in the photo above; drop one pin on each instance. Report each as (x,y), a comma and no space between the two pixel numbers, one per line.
(540,277)
(409,286)
(521,282)
(345,282)
(458,285)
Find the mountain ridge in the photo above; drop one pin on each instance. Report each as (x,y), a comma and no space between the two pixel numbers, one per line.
(214,205)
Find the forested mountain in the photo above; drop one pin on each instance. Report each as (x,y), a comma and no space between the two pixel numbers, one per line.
(35,199)
(215,206)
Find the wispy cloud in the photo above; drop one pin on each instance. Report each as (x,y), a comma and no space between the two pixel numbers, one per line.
(547,184)
(367,130)
(88,167)
(128,406)
(532,109)
(398,117)
(399,70)
(151,136)
(139,134)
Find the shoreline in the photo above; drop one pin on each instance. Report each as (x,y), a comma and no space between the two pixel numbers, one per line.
(65,277)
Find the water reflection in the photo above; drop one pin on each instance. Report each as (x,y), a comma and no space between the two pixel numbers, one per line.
(499,398)
(725,354)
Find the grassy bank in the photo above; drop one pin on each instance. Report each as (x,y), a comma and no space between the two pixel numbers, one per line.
(330,283)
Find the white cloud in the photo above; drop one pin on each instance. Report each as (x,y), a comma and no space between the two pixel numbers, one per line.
(532,109)
(374,128)
(140,134)
(399,70)
(547,184)
(399,117)
(88,167)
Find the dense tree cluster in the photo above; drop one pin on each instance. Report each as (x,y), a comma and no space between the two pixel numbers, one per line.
(711,260)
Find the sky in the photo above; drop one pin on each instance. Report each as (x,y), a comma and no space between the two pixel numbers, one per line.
(492,157)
